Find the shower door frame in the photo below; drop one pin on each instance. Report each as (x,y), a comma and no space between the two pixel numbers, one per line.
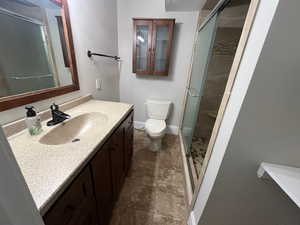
(193,192)
(208,21)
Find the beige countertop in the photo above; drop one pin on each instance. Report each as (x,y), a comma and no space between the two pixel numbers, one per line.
(48,169)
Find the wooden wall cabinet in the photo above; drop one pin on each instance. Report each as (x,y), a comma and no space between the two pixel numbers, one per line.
(152,46)
(90,198)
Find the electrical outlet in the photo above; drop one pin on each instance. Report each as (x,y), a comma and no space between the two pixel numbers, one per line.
(98,84)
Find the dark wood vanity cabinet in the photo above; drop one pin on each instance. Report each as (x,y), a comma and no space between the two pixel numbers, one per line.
(90,198)
(117,161)
(128,145)
(152,45)
(77,205)
(102,176)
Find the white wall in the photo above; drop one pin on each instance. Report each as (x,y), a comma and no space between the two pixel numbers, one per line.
(136,89)
(266,129)
(94,26)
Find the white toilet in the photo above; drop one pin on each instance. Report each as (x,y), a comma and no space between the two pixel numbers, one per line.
(155,126)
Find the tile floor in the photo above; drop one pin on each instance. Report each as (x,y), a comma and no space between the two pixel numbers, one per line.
(153,193)
(198,151)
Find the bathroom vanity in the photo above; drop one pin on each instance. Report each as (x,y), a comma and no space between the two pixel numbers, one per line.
(78,182)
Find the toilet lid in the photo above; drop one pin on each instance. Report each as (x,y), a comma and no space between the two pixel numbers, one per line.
(156,127)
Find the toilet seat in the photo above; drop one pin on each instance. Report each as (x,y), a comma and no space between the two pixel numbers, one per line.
(155,128)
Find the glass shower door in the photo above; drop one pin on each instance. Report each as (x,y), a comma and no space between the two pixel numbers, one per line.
(202,54)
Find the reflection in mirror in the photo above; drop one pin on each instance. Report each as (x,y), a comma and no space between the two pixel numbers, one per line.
(33,49)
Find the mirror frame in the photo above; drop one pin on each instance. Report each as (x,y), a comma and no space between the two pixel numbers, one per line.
(13,101)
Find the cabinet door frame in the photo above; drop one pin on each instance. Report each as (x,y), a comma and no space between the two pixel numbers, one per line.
(136,23)
(104,203)
(128,142)
(162,22)
(116,154)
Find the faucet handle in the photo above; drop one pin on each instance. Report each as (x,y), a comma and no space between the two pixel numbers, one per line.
(29,107)
(54,107)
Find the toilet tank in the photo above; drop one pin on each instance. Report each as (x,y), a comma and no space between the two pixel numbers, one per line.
(158,109)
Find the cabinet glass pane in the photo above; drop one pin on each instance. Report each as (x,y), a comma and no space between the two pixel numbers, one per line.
(162,41)
(142,46)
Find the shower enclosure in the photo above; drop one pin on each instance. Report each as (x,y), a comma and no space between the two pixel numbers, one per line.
(214,50)
(201,57)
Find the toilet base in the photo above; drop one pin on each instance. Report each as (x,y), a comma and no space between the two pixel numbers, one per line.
(156,144)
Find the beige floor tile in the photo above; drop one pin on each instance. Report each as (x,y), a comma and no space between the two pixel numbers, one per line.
(163,220)
(153,192)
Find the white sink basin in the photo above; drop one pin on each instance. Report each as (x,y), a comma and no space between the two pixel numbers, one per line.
(75,129)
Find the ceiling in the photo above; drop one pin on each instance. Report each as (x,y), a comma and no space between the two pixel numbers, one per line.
(196,5)
(184,5)
(210,4)
(24,2)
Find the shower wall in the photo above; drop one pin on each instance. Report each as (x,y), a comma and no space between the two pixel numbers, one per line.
(218,71)
(223,53)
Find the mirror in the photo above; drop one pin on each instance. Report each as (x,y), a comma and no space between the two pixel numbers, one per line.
(37,57)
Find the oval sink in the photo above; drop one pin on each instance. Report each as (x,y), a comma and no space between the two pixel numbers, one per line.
(74,129)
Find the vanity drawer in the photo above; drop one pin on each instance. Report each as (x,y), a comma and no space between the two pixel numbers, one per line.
(76,206)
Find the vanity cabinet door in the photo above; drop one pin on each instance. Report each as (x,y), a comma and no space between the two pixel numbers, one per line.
(117,161)
(101,171)
(128,143)
(77,206)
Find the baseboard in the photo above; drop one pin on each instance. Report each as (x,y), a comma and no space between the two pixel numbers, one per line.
(187,131)
(187,175)
(191,220)
(170,129)
(139,125)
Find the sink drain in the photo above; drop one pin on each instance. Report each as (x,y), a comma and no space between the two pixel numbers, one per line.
(76,140)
